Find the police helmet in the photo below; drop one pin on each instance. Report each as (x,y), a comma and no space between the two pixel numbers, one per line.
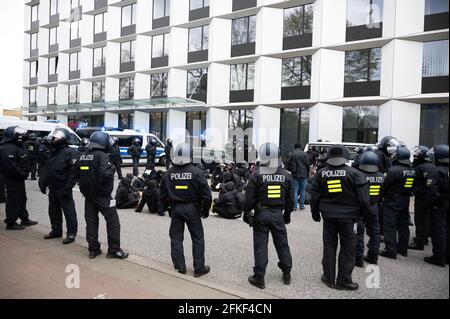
(153,141)
(269,154)
(137,141)
(32,136)
(439,154)
(420,152)
(402,156)
(99,140)
(182,154)
(60,136)
(13,133)
(169,142)
(368,162)
(338,155)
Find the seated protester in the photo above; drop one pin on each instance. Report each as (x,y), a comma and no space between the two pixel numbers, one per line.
(242,169)
(151,197)
(138,183)
(150,175)
(126,196)
(205,172)
(216,177)
(230,177)
(228,205)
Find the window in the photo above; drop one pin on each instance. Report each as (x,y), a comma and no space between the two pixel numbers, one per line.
(243,31)
(99,23)
(435,59)
(158,85)
(240,119)
(53,35)
(363,65)
(74,61)
(74,4)
(199,38)
(126,121)
(434,124)
(34,66)
(298,20)
(126,89)
(53,7)
(436,6)
(77,121)
(161,9)
(195,124)
(198,4)
(364,12)
(32,97)
(34,41)
(242,77)
(128,15)
(99,57)
(197,81)
(296,72)
(158,125)
(51,95)
(53,65)
(74,93)
(75,30)
(160,46)
(35,13)
(127,52)
(295,129)
(98,91)
(360,124)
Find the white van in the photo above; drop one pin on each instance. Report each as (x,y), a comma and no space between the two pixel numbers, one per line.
(41,129)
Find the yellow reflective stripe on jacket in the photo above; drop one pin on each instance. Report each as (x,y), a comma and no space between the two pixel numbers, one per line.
(334,186)
(181,187)
(84,168)
(274,191)
(409,183)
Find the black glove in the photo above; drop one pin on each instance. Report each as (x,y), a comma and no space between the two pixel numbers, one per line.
(44,190)
(248,218)
(205,214)
(316,217)
(66,192)
(287,218)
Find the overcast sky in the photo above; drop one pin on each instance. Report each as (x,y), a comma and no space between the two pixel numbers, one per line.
(11,53)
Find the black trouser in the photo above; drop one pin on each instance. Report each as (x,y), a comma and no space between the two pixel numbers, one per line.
(224,212)
(396,224)
(57,205)
(16,200)
(151,160)
(189,214)
(439,231)
(34,167)
(270,220)
(168,162)
(2,190)
(118,164)
(135,165)
(373,231)
(421,220)
(343,231)
(380,215)
(91,209)
(129,204)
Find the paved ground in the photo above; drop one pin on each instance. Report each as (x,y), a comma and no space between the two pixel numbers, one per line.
(230,254)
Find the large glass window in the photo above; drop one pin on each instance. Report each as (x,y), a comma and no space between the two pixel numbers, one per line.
(53,35)
(242,77)
(296,72)
(74,61)
(161,9)
(434,124)
(364,12)
(199,38)
(35,13)
(99,57)
(294,129)
(126,88)
(360,124)
(298,20)
(98,91)
(34,41)
(34,66)
(75,30)
(128,15)
(243,30)
(53,65)
(158,83)
(127,52)
(74,93)
(32,97)
(197,81)
(160,46)
(51,95)
(198,4)
(74,4)
(195,118)
(435,59)
(99,23)
(53,7)
(158,125)
(126,121)
(436,6)
(363,65)
(77,121)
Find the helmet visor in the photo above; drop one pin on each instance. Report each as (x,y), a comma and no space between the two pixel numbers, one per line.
(57,136)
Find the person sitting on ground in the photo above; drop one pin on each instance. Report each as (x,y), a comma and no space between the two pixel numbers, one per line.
(217,177)
(126,196)
(152,198)
(229,204)
(138,183)
(230,177)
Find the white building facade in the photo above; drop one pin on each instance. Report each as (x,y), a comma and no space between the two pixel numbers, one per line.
(286,71)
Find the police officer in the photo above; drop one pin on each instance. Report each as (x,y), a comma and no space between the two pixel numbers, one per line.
(135,150)
(186,195)
(43,154)
(151,154)
(83,145)
(398,189)
(368,166)
(32,148)
(270,194)
(94,172)
(114,156)
(15,167)
(437,196)
(423,166)
(2,190)
(168,150)
(55,178)
(341,194)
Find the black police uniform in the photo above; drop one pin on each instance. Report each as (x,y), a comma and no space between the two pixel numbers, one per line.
(135,151)
(341,194)
(186,195)
(151,155)
(421,212)
(94,172)
(56,176)
(371,220)
(168,150)
(32,148)
(269,194)
(398,189)
(116,159)
(43,155)
(15,167)
(2,190)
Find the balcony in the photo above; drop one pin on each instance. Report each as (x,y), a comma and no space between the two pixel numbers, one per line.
(296,93)
(100,4)
(160,62)
(198,97)
(244,4)
(435,84)
(357,89)
(52,78)
(436,21)
(53,48)
(128,30)
(75,43)
(98,71)
(127,67)
(296,42)
(161,22)
(363,32)
(73,75)
(33,81)
(242,96)
(243,49)
(198,56)
(100,37)
(199,13)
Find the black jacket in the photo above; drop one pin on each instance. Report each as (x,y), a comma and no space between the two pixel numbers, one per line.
(400,180)
(138,184)
(32,148)
(340,192)
(114,154)
(14,161)
(385,161)
(135,150)
(56,172)
(423,168)
(229,200)
(298,164)
(168,150)
(437,192)
(151,151)
(151,196)
(125,193)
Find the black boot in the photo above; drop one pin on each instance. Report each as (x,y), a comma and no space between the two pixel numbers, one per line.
(15,226)
(69,239)
(359,263)
(202,272)
(28,222)
(416,246)
(94,253)
(257,281)
(347,286)
(287,278)
(328,282)
(51,235)
(371,259)
(389,255)
(435,261)
(120,254)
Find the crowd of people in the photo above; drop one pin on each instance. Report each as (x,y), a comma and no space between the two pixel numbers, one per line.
(372,195)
